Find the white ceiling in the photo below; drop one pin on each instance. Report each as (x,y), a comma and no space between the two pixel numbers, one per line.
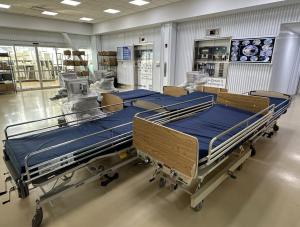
(87,8)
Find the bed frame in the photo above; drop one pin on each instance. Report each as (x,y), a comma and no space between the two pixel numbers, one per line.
(175,154)
(281,108)
(177,92)
(59,172)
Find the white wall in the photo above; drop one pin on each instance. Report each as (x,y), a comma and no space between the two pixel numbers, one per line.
(125,69)
(260,23)
(11,36)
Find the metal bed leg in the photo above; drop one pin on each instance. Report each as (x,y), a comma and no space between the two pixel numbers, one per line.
(206,188)
(253,150)
(23,190)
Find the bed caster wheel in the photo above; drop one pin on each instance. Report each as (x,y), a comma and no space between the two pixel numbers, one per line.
(240,167)
(162,182)
(198,207)
(270,135)
(37,218)
(253,151)
(173,187)
(275,128)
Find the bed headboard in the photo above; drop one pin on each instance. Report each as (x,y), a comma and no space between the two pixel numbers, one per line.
(208,89)
(245,102)
(109,99)
(173,149)
(272,94)
(174,91)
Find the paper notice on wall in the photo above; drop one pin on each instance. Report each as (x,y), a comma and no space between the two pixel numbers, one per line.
(216,82)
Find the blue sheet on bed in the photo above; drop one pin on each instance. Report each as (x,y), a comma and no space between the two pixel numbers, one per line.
(210,123)
(17,149)
(166,100)
(127,96)
(278,102)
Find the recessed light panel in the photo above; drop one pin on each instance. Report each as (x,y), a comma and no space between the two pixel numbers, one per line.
(70,2)
(112,11)
(86,19)
(139,2)
(4,6)
(49,13)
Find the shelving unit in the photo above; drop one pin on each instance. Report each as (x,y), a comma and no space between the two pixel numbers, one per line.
(76,61)
(7,79)
(107,60)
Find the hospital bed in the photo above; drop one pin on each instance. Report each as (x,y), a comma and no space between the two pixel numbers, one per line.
(151,99)
(48,157)
(198,147)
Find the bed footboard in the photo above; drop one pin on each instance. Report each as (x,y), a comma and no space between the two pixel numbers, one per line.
(174,91)
(252,104)
(111,101)
(213,90)
(175,151)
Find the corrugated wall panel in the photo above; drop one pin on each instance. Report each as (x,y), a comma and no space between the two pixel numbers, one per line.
(242,77)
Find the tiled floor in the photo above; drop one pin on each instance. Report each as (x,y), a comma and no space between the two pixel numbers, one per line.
(265,194)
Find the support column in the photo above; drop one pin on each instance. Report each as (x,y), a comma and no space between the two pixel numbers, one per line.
(95,47)
(168,53)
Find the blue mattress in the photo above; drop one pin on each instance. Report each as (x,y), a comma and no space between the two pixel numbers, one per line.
(127,96)
(17,149)
(277,102)
(210,123)
(165,100)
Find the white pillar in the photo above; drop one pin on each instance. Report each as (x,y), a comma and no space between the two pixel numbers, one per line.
(285,64)
(95,47)
(168,53)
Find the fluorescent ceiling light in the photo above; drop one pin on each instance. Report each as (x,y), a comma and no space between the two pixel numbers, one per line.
(4,6)
(49,13)
(86,19)
(112,11)
(139,2)
(70,2)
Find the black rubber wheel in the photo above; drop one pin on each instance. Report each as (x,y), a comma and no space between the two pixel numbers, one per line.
(240,167)
(37,218)
(270,134)
(276,128)
(198,207)
(162,182)
(173,187)
(253,151)
(23,190)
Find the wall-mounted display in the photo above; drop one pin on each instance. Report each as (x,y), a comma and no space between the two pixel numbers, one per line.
(253,50)
(124,53)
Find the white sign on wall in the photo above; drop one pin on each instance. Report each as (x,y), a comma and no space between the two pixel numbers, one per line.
(215,82)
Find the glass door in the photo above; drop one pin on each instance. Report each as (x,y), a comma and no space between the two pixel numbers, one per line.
(28,72)
(50,66)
